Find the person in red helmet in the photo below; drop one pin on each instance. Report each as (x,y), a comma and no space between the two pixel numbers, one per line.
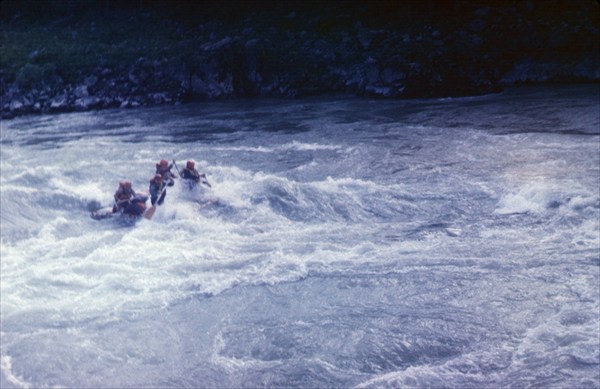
(158,190)
(190,173)
(127,201)
(164,169)
(123,196)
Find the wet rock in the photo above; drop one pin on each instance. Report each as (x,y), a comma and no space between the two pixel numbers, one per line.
(87,103)
(217,45)
(159,98)
(59,103)
(80,91)
(15,106)
(382,91)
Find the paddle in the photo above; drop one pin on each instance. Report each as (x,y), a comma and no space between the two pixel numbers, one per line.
(150,212)
(176,168)
(205,181)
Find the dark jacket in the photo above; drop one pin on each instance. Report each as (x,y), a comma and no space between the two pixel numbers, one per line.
(190,174)
(137,207)
(157,191)
(123,198)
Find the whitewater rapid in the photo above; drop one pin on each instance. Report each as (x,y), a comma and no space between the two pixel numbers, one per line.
(343,243)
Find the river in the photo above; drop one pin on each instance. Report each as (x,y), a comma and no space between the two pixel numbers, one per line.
(344,243)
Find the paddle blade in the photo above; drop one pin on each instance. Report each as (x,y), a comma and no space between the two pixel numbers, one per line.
(150,212)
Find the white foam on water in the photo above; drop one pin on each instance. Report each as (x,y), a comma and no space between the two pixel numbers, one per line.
(400,221)
(9,376)
(533,197)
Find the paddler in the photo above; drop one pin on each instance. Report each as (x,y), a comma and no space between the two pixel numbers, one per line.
(123,196)
(127,201)
(158,190)
(190,173)
(164,169)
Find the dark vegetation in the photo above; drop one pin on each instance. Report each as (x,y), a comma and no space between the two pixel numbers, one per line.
(62,55)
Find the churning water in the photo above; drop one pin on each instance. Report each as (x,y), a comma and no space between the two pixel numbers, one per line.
(344,243)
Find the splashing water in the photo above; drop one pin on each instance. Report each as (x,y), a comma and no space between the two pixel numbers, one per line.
(343,243)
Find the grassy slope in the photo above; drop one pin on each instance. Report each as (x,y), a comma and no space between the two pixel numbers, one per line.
(50,44)
(72,46)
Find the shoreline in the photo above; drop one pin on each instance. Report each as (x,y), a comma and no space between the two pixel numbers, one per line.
(309,98)
(118,57)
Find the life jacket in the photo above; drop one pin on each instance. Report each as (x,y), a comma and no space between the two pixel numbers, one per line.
(190,174)
(124,193)
(162,169)
(137,206)
(156,185)
(152,181)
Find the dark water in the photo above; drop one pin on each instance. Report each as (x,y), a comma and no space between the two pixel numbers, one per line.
(344,243)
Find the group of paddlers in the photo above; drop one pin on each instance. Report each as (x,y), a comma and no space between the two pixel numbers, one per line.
(128,202)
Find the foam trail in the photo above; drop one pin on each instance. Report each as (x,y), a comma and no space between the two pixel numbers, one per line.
(8,375)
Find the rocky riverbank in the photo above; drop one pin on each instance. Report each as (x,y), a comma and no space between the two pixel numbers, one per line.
(294,55)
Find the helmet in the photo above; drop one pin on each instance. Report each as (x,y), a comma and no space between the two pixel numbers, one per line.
(190,164)
(158,177)
(125,184)
(163,163)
